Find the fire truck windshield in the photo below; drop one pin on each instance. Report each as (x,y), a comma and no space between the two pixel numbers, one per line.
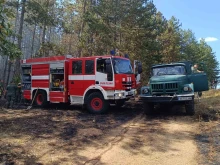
(122,66)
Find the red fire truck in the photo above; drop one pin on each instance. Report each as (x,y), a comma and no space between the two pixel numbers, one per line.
(95,82)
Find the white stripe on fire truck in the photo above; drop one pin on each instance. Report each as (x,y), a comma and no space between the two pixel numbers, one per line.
(41,77)
(81,77)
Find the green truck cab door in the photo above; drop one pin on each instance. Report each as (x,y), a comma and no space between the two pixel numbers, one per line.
(200,81)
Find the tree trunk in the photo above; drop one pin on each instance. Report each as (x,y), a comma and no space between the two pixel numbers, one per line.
(49,36)
(33,38)
(16,20)
(45,28)
(17,62)
(7,68)
(9,71)
(43,39)
(5,71)
(82,27)
(44,32)
(83,23)
(115,21)
(71,36)
(39,36)
(91,43)
(70,43)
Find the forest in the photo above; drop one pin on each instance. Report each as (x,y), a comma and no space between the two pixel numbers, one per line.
(41,28)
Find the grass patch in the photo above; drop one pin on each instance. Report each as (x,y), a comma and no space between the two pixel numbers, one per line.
(208,107)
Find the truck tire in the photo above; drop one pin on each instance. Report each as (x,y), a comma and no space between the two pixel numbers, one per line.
(41,99)
(119,103)
(96,103)
(189,106)
(200,94)
(149,108)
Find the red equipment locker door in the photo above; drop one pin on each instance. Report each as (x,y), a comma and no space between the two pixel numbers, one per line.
(75,83)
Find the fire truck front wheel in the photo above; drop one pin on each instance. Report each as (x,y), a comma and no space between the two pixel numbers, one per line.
(96,103)
(40,99)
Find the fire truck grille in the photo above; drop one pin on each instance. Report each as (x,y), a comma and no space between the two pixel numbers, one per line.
(127,85)
(165,88)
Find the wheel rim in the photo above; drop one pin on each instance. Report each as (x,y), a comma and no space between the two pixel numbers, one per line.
(39,99)
(96,104)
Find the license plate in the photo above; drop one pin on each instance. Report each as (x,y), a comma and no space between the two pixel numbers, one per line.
(165,95)
(184,98)
(129,93)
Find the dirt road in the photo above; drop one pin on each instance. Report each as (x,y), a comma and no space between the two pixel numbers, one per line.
(125,136)
(148,141)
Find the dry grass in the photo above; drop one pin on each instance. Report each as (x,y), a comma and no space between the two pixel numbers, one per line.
(208,107)
(59,136)
(51,136)
(208,110)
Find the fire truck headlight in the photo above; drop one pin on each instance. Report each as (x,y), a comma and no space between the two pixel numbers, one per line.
(119,94)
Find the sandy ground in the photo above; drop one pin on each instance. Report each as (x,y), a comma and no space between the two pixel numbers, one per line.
(151,141)
(73,136)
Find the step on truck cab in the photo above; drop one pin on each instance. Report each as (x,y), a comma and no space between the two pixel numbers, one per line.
(95,82)
(173,83)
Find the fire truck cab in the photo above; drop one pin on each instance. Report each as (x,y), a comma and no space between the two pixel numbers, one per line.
(95,82)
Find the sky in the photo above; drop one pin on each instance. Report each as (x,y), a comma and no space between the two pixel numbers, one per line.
(200,16)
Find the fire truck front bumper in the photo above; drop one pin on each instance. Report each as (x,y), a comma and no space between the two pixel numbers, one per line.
(120,94)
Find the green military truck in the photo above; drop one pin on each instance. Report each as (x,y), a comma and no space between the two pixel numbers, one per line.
(173,83)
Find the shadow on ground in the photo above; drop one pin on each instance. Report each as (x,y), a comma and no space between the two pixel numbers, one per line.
(59,133)
(28,135)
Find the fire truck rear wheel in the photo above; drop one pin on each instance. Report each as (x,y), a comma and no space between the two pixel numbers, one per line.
(96,103)
(41,99)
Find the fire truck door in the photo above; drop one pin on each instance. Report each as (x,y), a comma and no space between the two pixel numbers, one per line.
(75,77)
(104,73)
(137,71)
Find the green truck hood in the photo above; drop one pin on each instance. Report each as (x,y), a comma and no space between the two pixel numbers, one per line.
(168,78)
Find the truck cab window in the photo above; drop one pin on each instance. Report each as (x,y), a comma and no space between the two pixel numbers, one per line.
(77,67)
(104,66)
(101,66)
(89,67)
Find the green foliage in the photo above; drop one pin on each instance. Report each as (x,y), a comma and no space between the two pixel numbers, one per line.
(16,79)
(137,28)
(50,49)
(208,58)
(170,41)
(38,13)
(131,26)
(88,28)
(6,47)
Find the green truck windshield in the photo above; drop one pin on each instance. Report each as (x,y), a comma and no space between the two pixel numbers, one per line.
(169,70)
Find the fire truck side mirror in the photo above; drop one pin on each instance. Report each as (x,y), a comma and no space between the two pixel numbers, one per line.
(109,76)
(109,72)
(140,68)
